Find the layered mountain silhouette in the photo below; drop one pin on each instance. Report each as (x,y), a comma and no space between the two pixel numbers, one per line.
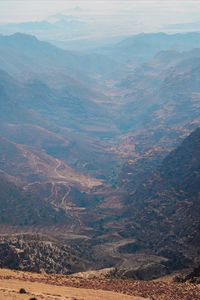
(100,150)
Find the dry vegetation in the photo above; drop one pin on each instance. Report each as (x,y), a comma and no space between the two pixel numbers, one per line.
(45,286)
(38,287)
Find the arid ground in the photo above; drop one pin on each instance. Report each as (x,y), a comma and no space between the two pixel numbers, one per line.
(42,286)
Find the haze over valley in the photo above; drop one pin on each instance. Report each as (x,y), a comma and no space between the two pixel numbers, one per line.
(99,151)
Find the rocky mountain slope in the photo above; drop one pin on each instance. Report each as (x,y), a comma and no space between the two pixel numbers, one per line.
(42,254)
(164,209)
(152,231)
(162,100)
(81,156)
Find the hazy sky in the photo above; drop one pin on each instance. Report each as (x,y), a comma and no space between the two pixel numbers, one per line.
(134,15)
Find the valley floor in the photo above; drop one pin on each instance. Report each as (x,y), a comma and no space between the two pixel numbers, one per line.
(42,286)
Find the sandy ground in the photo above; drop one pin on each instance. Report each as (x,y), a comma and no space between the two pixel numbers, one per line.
(9,290)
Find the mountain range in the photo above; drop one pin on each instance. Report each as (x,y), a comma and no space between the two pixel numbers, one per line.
(99,151)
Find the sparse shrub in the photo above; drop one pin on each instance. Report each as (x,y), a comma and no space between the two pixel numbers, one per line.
(22,291)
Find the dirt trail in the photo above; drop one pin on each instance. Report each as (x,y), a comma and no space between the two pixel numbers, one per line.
(59,163)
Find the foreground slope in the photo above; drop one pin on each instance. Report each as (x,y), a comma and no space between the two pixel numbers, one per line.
(62,287)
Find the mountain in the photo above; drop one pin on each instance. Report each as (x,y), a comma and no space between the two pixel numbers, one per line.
(161,106)
(68,127)
(72,115)
(37,253)
(83,146)
(56,28)
(27,57)
(164,209)
(154,230)
(41,103)
(145,45)
(37,164)
(19,208)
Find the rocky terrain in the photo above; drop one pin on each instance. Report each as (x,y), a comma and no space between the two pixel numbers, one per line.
(15,285)
(65,287)
(42,254)
(167,206)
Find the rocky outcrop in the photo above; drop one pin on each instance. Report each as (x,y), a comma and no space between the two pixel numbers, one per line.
(38,254)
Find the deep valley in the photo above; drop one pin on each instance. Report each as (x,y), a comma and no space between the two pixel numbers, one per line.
(99,156)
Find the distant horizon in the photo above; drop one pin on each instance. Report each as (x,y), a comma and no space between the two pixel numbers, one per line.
(125,36)
(113,18)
